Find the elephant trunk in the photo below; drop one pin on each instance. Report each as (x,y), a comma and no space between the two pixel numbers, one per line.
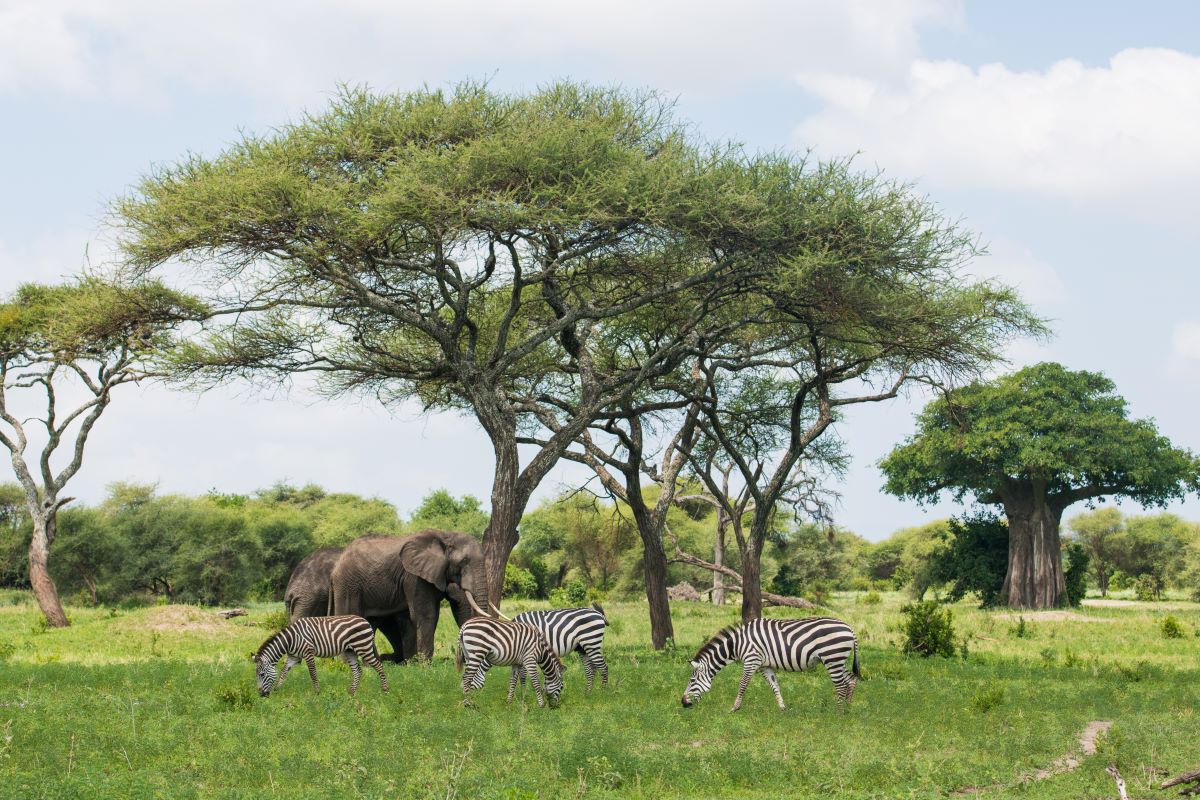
(474,605)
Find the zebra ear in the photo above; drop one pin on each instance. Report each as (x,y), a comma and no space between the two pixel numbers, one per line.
(694,664)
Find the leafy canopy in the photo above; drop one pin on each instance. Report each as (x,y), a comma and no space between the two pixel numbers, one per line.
(1063,433)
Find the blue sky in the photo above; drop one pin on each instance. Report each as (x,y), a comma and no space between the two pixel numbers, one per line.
(1066,134)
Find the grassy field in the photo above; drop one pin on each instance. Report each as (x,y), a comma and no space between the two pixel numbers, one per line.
(160,702)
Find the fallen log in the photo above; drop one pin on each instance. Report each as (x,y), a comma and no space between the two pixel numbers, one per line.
(769,598)
(232,612)
(1187,777)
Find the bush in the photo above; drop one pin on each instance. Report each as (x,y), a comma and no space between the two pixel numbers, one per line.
(1145,588)
(1170,627)
(1075,573)
(519,582)
(988,698)
(871,598)
(573,595)
(928,629)
(1021,629)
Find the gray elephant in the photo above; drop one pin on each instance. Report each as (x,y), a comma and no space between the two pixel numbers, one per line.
(307,595)
(405,578)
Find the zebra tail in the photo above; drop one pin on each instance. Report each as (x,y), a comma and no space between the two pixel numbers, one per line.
(600,608)
(854,666)
(458,658)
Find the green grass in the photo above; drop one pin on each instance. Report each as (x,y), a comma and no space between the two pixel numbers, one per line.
(160,702)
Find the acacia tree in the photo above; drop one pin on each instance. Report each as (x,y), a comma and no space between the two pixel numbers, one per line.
(1099,531)
(63,350)
(458,250)
(1035,442)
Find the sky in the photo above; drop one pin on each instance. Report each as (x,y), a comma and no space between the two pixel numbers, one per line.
(1065,134)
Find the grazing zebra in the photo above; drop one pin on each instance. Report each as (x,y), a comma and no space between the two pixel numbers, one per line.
(484,642)
(349,636)
(770,644)
(570,630)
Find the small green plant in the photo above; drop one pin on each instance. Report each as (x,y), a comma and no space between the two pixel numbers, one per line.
(39,626)
(236,698)
(928,629)
(871,598)
(1133,672)
(988,698)
(1049,657)
(1170,627)
(1021,629)
(6,650)
(275,620)
(1070,659)
(602,772)
(964,650)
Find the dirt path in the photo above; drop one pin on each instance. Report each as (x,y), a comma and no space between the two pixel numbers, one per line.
(1068,762)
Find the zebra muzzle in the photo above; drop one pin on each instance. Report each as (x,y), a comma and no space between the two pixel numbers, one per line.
(687,701)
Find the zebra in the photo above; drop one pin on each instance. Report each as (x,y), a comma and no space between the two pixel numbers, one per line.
(349,636)
(570,630)
(770,644)
(484,642)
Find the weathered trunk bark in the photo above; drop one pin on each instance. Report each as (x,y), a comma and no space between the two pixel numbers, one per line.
(1035,574)
(43,586)
(654,563)
(752,603)
(718,590)
(1102,579)
(501,536)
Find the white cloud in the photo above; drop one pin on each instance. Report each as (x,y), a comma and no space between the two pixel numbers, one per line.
(51,258)
(1185,347)
(1125,134)
(289,50)
(1016,266)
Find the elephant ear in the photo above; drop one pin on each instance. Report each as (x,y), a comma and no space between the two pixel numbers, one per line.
(425,557)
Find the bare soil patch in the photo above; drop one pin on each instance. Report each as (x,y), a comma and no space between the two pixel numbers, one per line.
(1056,615)
(188,619)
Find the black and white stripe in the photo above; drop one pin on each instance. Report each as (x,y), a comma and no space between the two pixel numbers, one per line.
(349,636)
(484,642)
(770,644)
(570,630)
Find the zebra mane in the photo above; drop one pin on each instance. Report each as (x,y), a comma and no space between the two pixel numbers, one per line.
(719,635)
(266,644)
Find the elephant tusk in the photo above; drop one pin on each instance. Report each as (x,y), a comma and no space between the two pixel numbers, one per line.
(474,605)
(499,613)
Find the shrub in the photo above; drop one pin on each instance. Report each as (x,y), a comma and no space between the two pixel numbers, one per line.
(988,698)
(1021,629)
(236,698)
(519,582)
(928,629)
(1170,627)
(1145,588)
(572,595)
(1075,573)
(275,620)
(871,598)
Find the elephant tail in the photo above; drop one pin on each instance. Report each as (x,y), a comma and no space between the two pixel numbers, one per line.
(599,608)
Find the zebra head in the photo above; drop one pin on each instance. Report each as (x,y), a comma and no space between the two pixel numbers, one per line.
(266,674)
(703,670)
(552,668)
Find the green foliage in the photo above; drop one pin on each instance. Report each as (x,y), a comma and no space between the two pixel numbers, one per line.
(573,595)
(1170,627)
(1076,571)
(928,629)
(441,511)
(975,558)
(871,598)
(1021,629)
(236,698)
(1044,422)
(988,698)
(1146,588)
(519,583)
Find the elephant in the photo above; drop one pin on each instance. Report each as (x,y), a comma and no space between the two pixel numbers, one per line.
(405,578)
(307,593)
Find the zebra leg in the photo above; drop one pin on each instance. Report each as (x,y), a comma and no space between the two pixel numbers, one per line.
(750,666)
(769,675)
(312,671)
(589,670)
(355,670)
(512,682)
(843,684)
(373,661)
(531,667)
(603,669)
(287,666)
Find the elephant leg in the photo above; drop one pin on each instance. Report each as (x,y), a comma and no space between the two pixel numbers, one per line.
(393,631)
(424,603)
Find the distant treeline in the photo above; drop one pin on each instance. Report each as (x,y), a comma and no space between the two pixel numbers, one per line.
(224,548)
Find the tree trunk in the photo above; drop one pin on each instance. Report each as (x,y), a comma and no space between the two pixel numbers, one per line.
(1035,574)
(654,562)
(751,585)
(44,589)
(501,536)
(718,590)
(1102,579)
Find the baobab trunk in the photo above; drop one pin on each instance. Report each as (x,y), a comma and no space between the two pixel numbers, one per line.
(1035,574)
(42,584)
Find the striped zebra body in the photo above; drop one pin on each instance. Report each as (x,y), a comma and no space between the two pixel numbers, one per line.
(484,642)
(770,644)
(308,638)
(571,630)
